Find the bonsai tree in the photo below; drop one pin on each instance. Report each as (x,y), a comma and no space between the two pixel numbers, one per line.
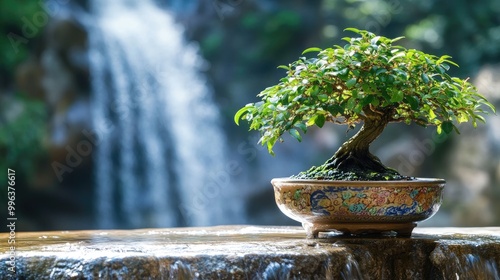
(372,81)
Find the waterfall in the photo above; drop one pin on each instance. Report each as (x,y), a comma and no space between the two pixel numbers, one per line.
(160,157)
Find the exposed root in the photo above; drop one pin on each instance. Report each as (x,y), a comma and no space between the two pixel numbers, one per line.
(353,160)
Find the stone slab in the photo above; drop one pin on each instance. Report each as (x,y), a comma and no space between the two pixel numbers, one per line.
(251,252)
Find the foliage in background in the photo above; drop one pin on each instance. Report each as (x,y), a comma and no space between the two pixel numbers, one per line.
(467,30)
(23,121)
(16,22)
(23,124)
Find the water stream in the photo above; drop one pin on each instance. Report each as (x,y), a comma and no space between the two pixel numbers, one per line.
(250,252)
(475,267)
(160,155)
(465,265)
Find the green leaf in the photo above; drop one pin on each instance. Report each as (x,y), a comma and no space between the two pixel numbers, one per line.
(270,147)
(451,62)
(399,54)
(401,73)
(439,130)
(432,115)
(295,134)
(241,112)
(386,96)
(366,88)
(413,101)
(312,120)
(351,103)
(312,91)
(492,108)
(351,82)
(367,100)
(314,49)
(352,29)
(323,97)
(480,118)
(335,109)
(343,73)
(320,120)
(380,71)
(397,39)
(375,40)
(425,78)
(447,127)
(297,98)
(397,97)
(442,58)
(358,109)
(462,118)
(273,100)
(440,69)
(302,127)
(284,67)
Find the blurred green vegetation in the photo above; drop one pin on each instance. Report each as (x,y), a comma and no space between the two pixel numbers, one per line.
(469,31)
(21,133)
(17,29)
(23,120)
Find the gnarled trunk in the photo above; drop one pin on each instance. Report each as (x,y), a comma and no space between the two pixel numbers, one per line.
(353,160)
(354,154)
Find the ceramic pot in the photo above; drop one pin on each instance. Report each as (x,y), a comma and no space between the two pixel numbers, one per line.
(358,207)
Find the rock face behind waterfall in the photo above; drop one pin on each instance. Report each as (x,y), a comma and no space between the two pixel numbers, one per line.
(161,152)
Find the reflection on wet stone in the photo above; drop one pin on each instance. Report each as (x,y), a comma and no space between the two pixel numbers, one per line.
(250,252)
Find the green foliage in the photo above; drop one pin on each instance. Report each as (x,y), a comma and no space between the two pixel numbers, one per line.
(368,77)
(15,18)
(22,129)
(433,27)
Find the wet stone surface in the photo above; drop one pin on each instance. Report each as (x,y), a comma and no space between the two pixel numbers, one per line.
(250,252)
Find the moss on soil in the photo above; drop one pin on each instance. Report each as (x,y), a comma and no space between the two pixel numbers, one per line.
(324,172)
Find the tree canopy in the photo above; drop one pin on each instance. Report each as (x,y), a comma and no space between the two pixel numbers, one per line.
(368,78)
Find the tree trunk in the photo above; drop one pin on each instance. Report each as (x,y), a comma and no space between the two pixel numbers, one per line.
(354,154)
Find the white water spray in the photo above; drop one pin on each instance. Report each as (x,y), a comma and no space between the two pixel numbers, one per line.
(159,162)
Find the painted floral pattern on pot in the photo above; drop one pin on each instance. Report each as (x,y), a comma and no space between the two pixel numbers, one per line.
(368,203)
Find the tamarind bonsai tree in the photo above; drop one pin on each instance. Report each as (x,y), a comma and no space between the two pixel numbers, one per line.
(372,81)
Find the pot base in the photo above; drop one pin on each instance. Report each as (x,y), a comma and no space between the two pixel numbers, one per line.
(358,207)
(401,229)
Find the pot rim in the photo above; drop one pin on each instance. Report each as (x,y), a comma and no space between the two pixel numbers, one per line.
(395,183)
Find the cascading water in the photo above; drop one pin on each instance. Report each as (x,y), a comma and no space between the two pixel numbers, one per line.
(159,161)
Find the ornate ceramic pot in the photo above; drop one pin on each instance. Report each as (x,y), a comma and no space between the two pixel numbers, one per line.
(356,207)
